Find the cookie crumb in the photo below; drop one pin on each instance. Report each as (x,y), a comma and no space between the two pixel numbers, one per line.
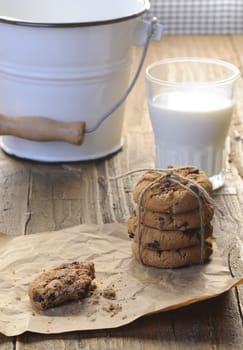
(95,301)
(93,286)
(112,308)
(109,293)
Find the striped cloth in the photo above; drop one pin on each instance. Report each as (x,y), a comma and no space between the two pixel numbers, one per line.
(198,16)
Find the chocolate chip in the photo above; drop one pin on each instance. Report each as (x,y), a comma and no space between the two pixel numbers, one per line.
(167,184)
(81,295)
(131,235)
(194,188)
(182,225)
(154,245)
(38,298)
(171,217)
(51,297)
(193,233)
(64,266)
(161,222)
(194,171)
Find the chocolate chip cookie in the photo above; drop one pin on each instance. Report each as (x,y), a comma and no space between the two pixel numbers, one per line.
(166,240)
(71,281)
(167,196)
(172,258)
(182,221)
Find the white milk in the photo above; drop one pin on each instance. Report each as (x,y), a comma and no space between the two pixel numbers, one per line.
(190,129)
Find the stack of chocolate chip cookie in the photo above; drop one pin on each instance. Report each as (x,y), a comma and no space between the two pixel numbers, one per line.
(171,225)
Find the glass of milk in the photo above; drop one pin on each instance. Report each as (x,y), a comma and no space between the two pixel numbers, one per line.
(190,103)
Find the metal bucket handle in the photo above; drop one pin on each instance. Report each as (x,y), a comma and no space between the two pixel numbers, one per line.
(45,129)
(150,34)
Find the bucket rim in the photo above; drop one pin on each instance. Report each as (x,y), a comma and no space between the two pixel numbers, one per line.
(69,24)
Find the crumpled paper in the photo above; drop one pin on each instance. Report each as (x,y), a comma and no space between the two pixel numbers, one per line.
(139,289)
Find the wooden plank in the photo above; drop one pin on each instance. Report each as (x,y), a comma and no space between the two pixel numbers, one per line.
(214,329)
(14,184)
(62,196)
(237,128)
(7,343)
(14,210)
(237,42)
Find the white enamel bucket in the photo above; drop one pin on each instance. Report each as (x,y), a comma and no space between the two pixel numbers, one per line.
(63,65)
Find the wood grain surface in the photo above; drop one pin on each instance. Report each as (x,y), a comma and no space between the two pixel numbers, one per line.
(40,197)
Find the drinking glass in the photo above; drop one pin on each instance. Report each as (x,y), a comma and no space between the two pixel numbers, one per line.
(190,102)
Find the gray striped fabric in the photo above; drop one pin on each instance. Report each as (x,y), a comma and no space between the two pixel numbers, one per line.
(198,16)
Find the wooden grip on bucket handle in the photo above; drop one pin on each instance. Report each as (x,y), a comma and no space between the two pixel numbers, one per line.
(42,129)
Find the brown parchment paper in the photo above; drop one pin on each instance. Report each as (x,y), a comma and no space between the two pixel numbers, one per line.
(140,290)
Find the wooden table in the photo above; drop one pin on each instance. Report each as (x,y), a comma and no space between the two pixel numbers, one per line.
(39,197)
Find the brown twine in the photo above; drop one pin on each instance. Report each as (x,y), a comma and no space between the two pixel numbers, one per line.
(174,177)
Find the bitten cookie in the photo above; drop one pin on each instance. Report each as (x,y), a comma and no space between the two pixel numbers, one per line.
(167,240)
(172,258)
(166,196)
(71,281)
(182,221)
